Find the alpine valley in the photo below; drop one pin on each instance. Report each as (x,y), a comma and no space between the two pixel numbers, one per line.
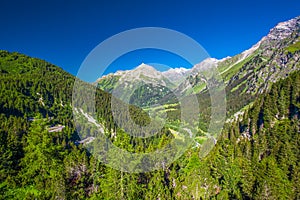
(256,156)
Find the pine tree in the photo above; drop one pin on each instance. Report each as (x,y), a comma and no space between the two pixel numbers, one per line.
(42,164)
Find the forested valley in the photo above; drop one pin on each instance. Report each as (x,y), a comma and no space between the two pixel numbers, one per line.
(256,156)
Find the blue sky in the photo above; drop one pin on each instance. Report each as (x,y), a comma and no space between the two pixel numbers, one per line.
(64,32)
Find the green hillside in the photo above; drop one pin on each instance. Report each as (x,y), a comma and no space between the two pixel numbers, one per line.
(256,157)
(34,96)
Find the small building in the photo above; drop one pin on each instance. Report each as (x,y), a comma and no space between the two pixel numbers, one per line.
(57,128)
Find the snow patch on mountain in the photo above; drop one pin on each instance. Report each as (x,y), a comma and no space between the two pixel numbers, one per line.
(176,74)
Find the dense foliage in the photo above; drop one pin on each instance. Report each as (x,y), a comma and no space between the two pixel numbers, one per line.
(257,156)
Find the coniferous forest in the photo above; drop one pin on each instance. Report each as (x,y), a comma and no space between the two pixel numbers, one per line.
(149,100)
(256,157)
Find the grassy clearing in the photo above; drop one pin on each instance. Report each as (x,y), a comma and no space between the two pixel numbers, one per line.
(227,74)
(294,47)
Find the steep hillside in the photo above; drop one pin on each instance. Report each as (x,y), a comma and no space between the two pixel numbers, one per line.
(253,71)
(40,147)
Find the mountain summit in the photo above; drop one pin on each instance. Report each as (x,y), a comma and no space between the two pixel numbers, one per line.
(146,67)
(136,86)
(283,29)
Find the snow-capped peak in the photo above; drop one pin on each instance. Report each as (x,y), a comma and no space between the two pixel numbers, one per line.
(211,60)
(208,62)
(146,67)
(176,74)
(143,72)
(179,70)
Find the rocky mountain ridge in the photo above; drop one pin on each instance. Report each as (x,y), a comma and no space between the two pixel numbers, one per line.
(246,74)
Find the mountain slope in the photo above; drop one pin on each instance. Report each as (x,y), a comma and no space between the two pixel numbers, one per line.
(246,75)
(142,86)
(39,143)
(264,57)
(252,72)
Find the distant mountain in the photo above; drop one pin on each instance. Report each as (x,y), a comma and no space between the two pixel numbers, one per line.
(141,86)
(176,75)
(245,75)
(142,73)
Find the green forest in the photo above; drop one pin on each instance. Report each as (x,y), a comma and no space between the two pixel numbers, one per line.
(256,157)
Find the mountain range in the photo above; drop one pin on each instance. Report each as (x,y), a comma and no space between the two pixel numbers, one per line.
(246,74)
(45,135)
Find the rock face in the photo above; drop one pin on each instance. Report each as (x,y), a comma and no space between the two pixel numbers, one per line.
(253,70)
(272,59)
(283,30)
